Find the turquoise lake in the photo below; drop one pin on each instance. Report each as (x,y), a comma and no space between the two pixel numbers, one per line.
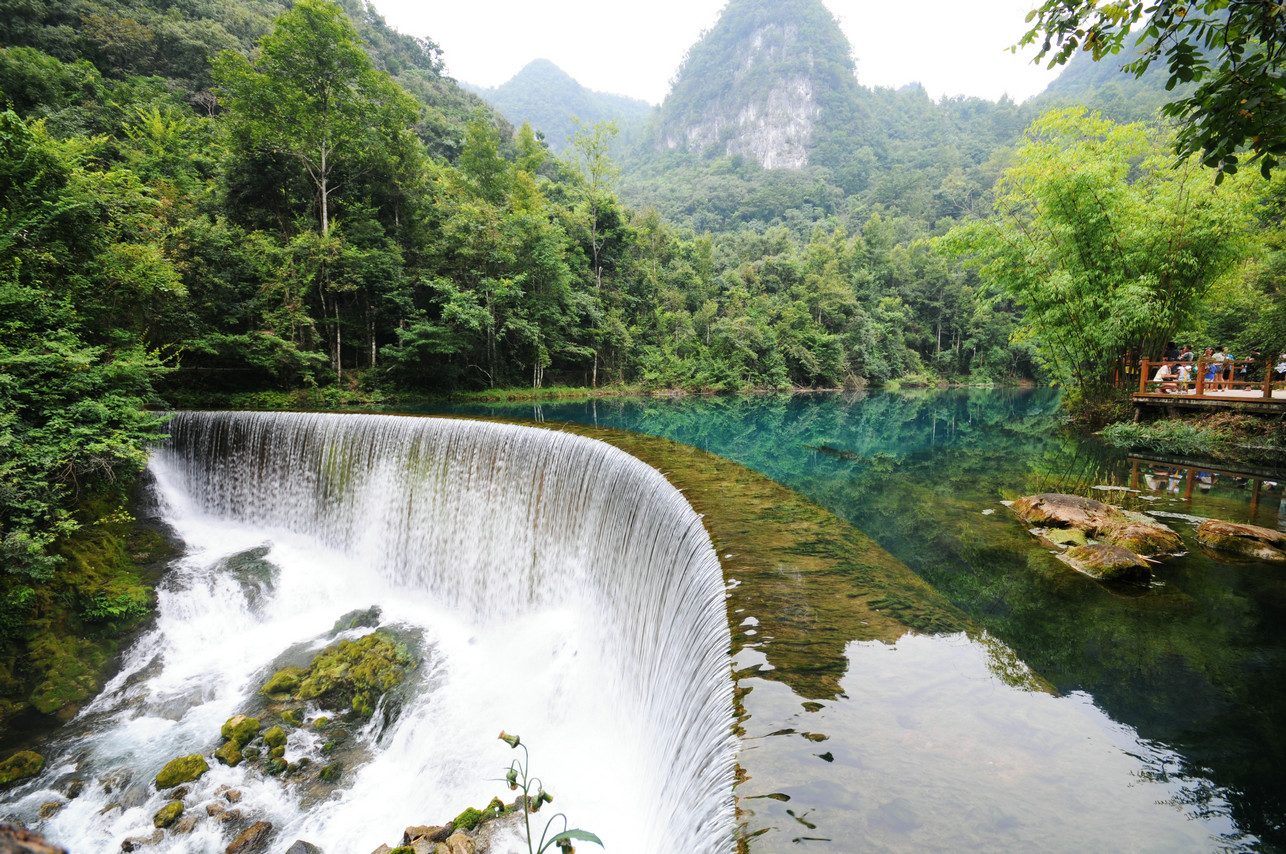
(1161,726)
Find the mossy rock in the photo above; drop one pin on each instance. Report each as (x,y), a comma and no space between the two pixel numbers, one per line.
(1108,563)
(1141,535)
(240,730)
(228,754)
(467,820)
(402,849)
(275,737)
(275,766)
(368,618)
(356,673)
(168,814)
(1064,537)
(1246,540)
(182,770)
(283,684)
(23,764)
(331,773)
(278,752)
(321,723)
(292,717)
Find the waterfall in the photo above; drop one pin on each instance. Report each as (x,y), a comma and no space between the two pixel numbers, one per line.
(562,590)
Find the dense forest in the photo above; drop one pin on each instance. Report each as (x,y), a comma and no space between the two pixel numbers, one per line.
(216,203)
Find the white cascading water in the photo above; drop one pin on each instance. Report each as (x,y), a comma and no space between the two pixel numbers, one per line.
(561,589)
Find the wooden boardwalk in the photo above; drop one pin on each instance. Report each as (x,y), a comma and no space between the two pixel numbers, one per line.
(1258,396)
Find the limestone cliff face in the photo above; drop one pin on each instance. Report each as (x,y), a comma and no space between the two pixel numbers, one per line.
(758,84)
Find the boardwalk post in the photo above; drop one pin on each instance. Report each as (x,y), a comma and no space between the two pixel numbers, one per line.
(1143,376)
(1201,378)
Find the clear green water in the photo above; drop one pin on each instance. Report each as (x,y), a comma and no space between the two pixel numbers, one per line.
(1165,729)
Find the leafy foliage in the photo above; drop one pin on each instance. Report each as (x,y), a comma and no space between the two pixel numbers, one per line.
(1109,250)
(1231,49)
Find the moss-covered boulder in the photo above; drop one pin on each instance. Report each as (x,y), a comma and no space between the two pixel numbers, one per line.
(182,770)
(1246,540)
(356,673)
(283,684)
(275,737)
(168,814)
(23,764)
(240,730)
(1055,510)
(1108,563)
(1140,535)
(228,754)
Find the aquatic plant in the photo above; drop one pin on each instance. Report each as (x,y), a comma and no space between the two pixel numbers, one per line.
(518,777)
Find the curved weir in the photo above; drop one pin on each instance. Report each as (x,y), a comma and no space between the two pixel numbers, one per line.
(562,589)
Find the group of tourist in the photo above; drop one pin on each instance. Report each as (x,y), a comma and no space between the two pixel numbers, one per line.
(1221,371)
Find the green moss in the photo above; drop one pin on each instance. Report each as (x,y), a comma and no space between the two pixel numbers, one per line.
(467,820)
(277,752)
(331,773)
(182,770)
(356,673)
(65,630)
(275,766)
(321,723)
(292,717)
(283,683)
(240,729)
(402,849)
(25,763)
(168,814)
(229,754)
(275,737)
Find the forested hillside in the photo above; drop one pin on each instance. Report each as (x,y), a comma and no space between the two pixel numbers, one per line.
(547,98)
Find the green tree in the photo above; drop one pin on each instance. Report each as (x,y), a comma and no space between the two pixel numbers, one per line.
(313,96)
(1108,249)
(1232,50)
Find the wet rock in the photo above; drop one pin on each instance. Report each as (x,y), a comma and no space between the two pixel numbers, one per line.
(184,825)
(366,619)
(74,788)
(232,796)
(331,773)
(275,766)
(134,843)
(1108,563)
(461,843)
(228,754)
(253,838)
(49,809)
(229,817)
(1055,510)
(215,809)
(292,717)
(23,764)
(430,833)
(356,673)
(17,840)
(240,730)
(1246,540)
(283,684)
(168,814)
(1141,535)
(302,847)
(184,769)
(180,793)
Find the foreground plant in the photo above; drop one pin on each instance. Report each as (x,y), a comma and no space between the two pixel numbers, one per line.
(518,777)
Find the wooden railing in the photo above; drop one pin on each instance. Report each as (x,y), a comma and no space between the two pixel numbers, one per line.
(1198,386)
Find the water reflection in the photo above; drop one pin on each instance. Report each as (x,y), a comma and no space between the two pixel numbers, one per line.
(1197,664)
(928,750)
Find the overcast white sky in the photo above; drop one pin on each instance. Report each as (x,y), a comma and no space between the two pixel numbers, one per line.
(952,47)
